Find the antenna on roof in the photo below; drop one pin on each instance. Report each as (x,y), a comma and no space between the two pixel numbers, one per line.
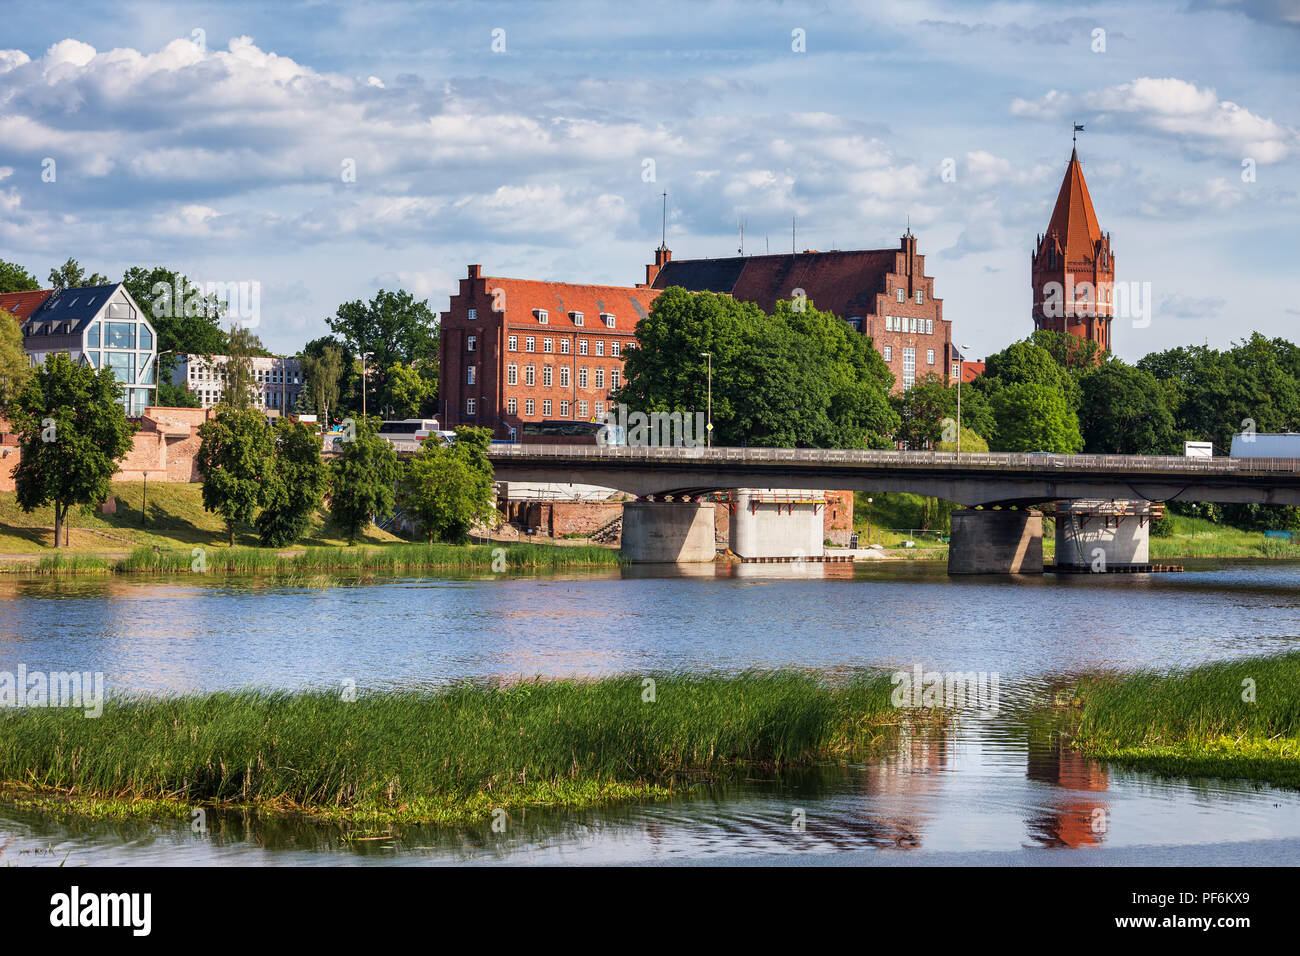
(741,223)
(663,239)
(794,246)
(767,244)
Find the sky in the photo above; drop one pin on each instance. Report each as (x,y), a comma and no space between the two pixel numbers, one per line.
(327,150)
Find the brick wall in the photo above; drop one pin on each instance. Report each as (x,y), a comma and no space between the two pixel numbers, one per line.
(559,518)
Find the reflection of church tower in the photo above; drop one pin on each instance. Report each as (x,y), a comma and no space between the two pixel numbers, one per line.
(1072,267)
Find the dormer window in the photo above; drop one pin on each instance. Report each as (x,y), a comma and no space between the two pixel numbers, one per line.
(542,317)
(577,318)
(608,319)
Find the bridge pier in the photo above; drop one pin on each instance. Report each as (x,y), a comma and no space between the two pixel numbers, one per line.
(1099,535)
(668,532)
(996,542)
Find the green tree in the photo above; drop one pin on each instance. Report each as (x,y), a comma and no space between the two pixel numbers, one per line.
(70,275)
(362,479)
(321,374)
(240,385)
(1032,417)
(235,459)
(72,432)
(928,411)
(1024,363)
(448,489)
(187,321)
(1123,412)
(1072,353)
(293,490)
(14,278)
(412,390)
(15,367)
(176,396)
(393,327)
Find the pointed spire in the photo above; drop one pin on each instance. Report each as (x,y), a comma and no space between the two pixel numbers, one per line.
(1074,221)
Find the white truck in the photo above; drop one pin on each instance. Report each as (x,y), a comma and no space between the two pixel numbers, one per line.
(1262,445)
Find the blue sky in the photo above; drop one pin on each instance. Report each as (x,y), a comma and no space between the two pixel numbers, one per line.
(213,138)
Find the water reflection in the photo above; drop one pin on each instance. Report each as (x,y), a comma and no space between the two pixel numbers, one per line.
(993,781)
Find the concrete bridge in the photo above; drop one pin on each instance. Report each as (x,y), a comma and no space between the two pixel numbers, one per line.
(668,522)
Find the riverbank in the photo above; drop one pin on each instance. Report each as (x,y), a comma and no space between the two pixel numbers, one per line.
(454,756)
(390,558)
(1233,719)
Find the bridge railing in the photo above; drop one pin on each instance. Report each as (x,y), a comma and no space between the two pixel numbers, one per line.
(1032,461)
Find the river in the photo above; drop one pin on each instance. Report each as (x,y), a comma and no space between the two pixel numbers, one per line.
(986,790)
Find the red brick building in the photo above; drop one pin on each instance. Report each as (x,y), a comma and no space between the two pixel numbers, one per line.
(883,293)
(1072,268)
(519,350)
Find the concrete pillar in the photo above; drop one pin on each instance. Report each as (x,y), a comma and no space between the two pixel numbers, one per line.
(778,523)
(667,531)
(996,542)
(1102,535)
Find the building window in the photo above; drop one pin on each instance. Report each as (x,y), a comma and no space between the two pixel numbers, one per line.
(929,326)
(582,377)
(546,408)
(955,370)
(471,343)
(472,314)
(929,356)
(920,297)
(512,343)
(548,346)
(889,354)
(613,349)
(542,317)
(582,346)
(564,376)
(600,347)
(564,409)
(469,374)
(512,405)
(530,375)
(600,411)
(582,409)
(909,367)
(902,295)
(530,406)
(546,376)
(564,346)
(613,378)
(600,378)
(530,344)
(577,318)
(469,406)
(512,374)
(608,318)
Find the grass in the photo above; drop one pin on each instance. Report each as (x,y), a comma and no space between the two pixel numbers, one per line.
(452,756)
(1199,538)
(175,519)
(1198,721)
(389,558)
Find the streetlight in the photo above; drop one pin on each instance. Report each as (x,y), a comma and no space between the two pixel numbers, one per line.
(868,522)
(960,361)
(708,430)
(364,356)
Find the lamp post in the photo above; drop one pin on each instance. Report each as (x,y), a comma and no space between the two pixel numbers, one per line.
(364,356)
(961,358)
(868,522)
(708,429)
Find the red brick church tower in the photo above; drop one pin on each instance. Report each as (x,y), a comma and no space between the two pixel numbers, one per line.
(1072,266)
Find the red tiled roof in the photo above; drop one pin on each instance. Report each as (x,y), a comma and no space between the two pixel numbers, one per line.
(521,296)
(23,304)
(845,283)
(970,371)
(1073,220)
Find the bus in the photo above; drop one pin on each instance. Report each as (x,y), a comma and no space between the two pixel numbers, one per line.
(564,432)
(410,430)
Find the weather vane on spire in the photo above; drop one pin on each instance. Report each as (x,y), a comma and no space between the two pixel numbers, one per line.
(1078,128)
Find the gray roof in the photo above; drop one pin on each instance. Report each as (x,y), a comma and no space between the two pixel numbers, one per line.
(57,323)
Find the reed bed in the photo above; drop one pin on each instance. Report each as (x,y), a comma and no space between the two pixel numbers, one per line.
(451,755)
(388,558)
(1237,718)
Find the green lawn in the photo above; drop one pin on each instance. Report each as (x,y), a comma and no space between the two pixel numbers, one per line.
(175,519)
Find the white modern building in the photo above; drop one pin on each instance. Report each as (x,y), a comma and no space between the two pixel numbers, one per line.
(100,326)
(277,380)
